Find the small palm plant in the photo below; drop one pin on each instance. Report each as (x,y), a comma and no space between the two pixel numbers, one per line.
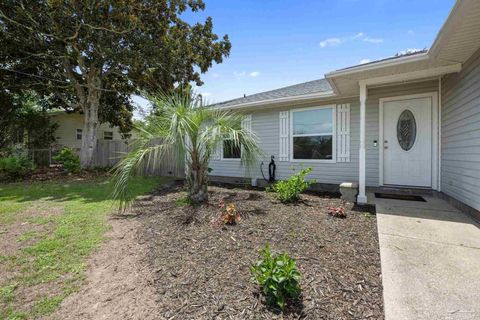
(191,131)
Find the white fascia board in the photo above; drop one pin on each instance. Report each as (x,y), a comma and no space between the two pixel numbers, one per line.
(413,75)
(379,64)
(326,94)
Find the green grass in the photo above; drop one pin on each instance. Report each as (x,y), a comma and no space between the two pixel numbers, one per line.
(75,214)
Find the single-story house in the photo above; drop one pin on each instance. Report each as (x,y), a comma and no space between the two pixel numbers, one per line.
(409,121)
(70,130)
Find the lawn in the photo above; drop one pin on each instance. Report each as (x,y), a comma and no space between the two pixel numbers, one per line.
(47,232)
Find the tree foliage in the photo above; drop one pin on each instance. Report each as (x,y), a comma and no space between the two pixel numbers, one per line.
(91,55)
(24,119)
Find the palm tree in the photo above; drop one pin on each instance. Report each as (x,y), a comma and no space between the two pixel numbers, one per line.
(190,130)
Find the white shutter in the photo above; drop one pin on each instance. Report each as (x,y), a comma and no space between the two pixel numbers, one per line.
(247,122)
(284,135)
(343,132)
(218,153)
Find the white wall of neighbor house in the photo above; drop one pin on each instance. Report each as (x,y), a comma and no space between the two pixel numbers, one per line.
(265,124)
(66,133)
(460,156)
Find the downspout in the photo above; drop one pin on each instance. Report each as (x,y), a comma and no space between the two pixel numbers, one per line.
(439,186)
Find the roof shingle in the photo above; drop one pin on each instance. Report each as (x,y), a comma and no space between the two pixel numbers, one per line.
(310,87)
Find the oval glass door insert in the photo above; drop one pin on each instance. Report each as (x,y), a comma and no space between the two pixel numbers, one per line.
(406,130)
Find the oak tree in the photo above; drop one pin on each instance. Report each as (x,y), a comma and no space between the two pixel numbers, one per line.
(90,56)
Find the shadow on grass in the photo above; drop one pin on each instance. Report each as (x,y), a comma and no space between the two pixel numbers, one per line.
(91,191)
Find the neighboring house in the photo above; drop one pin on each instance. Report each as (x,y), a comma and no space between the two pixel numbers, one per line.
(407,121)
(70,130)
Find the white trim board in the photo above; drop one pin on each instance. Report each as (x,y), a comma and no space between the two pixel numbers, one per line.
(435,134)
(413,75)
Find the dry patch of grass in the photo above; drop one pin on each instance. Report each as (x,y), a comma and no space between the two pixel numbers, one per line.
(47,231)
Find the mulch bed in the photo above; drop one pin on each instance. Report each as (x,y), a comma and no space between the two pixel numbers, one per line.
(201,268)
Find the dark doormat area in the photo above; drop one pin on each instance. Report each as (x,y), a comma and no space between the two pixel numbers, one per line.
(399,197)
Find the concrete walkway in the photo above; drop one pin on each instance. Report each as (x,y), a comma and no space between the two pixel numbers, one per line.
(430,257)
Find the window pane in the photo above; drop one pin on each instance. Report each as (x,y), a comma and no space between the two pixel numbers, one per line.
(406,130)
(231,151)
(312,121)
(319,147)
(108,135)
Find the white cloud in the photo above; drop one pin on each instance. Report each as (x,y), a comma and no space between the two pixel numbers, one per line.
(330,42)
(206,94)
(239,74)
(411,32)
(373,40)
(215,75)
(364,61)
(358,35)
(408,51)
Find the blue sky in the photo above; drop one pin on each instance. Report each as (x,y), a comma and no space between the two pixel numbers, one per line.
(283,42)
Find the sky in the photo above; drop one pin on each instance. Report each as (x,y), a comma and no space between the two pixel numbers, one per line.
(284,42)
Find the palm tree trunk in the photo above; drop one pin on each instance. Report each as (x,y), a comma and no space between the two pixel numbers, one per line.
(198,192)
(197,183)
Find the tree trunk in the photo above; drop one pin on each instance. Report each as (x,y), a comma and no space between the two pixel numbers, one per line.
(197,184)
(90,124)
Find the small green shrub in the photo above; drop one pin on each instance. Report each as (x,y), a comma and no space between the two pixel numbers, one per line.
(15,167)
(69,159)
(289,190)
(183,201)
(278,277)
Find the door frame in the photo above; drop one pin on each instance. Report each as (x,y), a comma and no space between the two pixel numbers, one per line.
(435,135)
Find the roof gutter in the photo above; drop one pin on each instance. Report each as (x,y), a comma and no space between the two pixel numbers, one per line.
(379,64)
(326,94)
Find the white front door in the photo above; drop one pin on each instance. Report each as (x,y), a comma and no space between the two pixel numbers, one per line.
(407,145)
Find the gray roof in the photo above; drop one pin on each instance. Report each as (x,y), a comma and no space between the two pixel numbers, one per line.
(310,87)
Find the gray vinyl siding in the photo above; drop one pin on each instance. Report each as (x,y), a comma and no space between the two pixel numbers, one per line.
(460,164)
(265,123)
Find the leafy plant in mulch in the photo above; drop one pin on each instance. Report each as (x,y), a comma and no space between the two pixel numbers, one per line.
(337,212)
(289,190)
(278,278)
(182,202)
(229,214)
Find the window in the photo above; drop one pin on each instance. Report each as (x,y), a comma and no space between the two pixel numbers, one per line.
(312,134)
(406,130)
(107,135)
(79,134)
(231,151)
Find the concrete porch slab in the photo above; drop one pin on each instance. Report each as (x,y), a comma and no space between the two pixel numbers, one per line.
(430,258)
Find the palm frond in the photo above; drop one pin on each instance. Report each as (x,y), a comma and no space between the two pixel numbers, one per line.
(188,129)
